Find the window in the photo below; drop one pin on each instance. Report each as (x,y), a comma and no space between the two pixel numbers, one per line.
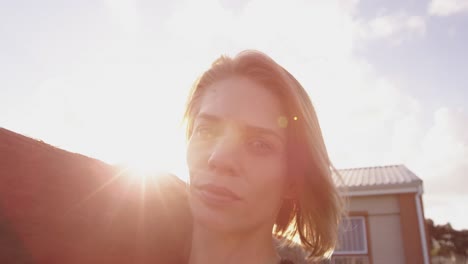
(352,242)
(352,236)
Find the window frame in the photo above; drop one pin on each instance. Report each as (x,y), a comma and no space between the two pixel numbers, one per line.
(364,235)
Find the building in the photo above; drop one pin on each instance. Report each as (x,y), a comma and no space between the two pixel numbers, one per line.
(386,217)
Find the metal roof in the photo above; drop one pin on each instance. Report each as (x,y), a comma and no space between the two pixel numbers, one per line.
(396,178)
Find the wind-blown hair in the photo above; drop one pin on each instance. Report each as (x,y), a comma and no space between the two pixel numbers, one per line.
(314,212)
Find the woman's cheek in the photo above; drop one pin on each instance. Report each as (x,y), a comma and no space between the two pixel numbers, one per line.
(194,156)
(195,151)
(269,173)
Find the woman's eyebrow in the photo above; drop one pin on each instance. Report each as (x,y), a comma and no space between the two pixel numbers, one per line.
(248,128)
(264,131)
(207,117)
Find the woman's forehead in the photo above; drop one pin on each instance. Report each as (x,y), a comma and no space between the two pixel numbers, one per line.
(241,100)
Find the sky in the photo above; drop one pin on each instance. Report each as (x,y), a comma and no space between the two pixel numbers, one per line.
(109,79)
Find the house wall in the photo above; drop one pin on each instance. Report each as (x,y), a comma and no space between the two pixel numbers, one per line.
(410,228)
(393,226)
(385,236)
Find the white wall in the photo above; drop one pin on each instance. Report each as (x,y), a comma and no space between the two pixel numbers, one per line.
(384,227)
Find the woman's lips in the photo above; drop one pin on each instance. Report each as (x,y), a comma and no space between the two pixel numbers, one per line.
(216,194)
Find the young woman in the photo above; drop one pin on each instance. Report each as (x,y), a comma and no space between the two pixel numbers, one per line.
(258,165)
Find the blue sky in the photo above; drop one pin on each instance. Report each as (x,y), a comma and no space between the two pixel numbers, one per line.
(109,78)
(439,53)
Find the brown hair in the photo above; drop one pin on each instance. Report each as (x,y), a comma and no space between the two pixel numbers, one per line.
(315,212)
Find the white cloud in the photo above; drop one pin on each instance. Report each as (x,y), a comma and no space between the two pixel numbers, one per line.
(369,121)
(447,208)
(359,110)
(416,24)
(444,152)
(438,153)
(447,7)
(395,27)
(125,14)
(271,26)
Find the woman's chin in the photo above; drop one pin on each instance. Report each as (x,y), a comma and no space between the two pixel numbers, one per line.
(212,215)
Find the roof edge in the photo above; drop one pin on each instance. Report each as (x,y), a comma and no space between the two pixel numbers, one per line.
(372,167)
(384,190)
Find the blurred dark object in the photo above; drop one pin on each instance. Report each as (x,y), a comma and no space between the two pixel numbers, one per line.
(61,207)
(447,244)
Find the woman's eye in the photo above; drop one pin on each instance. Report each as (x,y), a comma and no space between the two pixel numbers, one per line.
(204,132)
(260,146)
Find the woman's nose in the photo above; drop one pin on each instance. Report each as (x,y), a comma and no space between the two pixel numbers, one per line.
(223,158)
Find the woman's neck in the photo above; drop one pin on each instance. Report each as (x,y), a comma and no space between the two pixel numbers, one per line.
(210,246)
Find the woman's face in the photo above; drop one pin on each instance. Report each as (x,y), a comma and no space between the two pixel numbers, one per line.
(237,156)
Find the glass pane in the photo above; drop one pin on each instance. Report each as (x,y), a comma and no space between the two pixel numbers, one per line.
(352,236)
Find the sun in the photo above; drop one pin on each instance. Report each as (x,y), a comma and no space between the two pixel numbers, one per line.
(151,156)
(141,166)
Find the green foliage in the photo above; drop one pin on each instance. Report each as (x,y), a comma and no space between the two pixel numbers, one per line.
(446,241)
